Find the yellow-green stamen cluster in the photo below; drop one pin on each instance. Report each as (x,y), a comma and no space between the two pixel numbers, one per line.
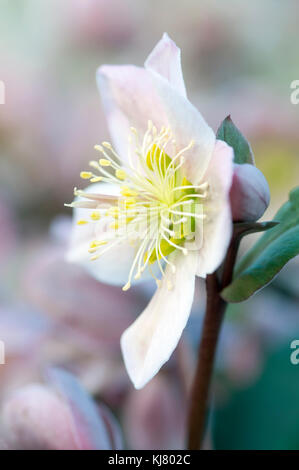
(156,205)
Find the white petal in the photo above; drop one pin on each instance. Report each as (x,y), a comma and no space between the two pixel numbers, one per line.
(165,59)
(130,100)
(113,267)
(149,342)
(217,230)
(187,124)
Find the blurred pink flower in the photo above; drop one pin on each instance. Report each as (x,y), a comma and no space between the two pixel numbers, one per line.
(154,417)
(23,333)
(57,416)
(100,22)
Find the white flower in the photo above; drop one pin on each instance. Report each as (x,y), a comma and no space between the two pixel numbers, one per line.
(174,169)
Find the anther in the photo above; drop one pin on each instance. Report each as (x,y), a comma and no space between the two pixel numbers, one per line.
(94,164)
(120,174)
(127,192)
(96,179)
(95,215)
(107,145)
(104,162)
(86,175)
(94,258)
(97,243)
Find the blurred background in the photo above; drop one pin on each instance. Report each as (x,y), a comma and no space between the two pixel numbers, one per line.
(238,58)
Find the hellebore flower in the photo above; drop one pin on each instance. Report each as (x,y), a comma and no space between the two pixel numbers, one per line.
(166,166)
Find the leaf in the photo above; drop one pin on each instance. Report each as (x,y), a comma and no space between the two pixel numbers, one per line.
(233,137)
(268,256)
(265,268)
(287,216)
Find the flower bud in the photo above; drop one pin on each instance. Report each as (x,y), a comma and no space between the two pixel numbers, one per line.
(59,415)
(249,194)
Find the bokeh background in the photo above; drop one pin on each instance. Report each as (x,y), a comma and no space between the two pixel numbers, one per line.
(238,58)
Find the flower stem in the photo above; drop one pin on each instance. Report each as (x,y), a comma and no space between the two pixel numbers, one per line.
(215,310)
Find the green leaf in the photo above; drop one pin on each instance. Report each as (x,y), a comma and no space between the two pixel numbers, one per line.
(233,137)
(287,216)
(268,256)
(265,268)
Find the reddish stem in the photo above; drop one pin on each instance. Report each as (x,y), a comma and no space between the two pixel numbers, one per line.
(215,310)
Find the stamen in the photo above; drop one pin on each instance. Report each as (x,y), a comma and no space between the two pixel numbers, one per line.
(121,174)
(97,243)
(154,193)
(184,250)
(172,266)
(96,179)
(94,258)
(95,215)
(107,145)
(86,175)
(128,285)
(128,192)
(104,162)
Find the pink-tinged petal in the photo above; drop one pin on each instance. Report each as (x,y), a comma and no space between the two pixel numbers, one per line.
(130,100)
(165,59)
(113,427)
(250,194)
(35,418)
(149,342)
(217,228)
(90,422)
(59,416)
(187,125)
(113,266)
